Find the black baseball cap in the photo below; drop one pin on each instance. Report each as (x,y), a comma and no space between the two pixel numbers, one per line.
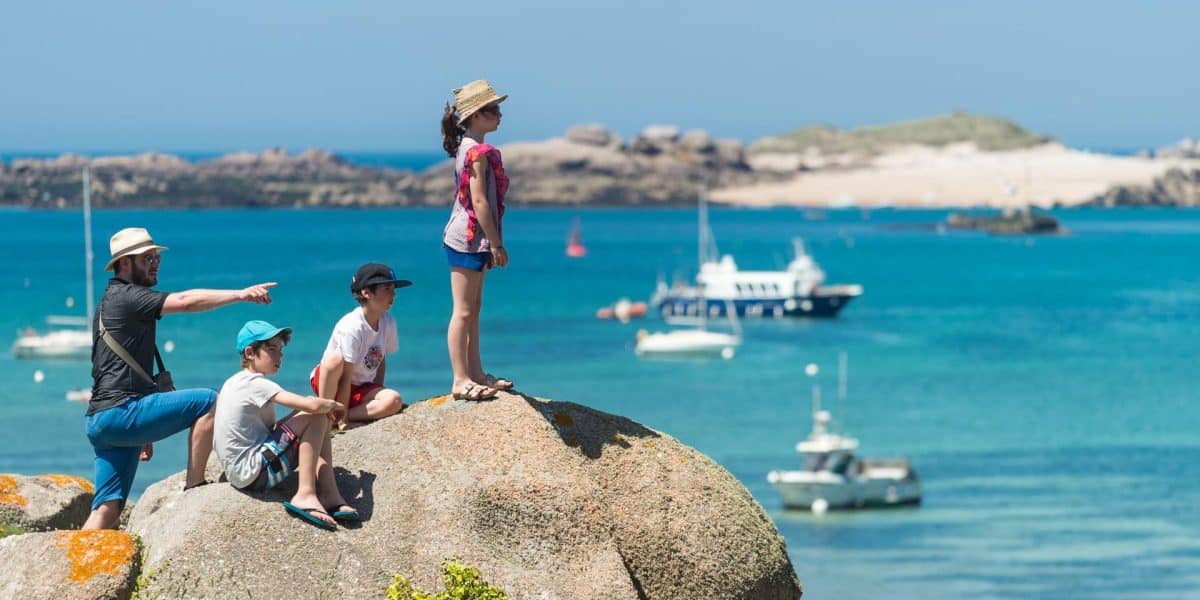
(375,274)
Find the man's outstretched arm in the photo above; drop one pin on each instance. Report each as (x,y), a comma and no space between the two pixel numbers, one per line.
(202,300)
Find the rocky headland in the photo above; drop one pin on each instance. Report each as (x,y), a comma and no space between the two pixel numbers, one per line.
(1177,187)
(546,499)
(955,160)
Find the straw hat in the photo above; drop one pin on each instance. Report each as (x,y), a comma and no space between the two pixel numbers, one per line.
(128,242)
(469,98)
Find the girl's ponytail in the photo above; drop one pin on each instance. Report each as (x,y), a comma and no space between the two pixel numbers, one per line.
(452,134)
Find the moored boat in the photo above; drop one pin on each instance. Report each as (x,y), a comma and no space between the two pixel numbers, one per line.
(697,341)
(832,477)
(575,247)
(75,340)
(797,291)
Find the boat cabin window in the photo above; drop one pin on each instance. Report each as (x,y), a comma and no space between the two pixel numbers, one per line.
(839,463)
(815,462)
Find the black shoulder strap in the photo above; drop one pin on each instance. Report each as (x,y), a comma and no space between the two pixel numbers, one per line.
(122,352)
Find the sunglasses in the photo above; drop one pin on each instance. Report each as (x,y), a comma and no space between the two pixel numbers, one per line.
(492,109)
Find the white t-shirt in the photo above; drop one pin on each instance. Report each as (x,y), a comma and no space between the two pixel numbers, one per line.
(362,346)
(243,421)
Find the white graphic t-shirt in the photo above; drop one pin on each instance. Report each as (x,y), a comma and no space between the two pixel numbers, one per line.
(362,346)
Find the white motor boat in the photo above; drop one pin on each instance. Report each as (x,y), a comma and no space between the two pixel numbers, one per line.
(798,291)
(832,477)
(75,341)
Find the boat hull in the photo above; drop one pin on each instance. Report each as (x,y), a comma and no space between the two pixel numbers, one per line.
(65,345)
(847,493)
(688,343)
(816,305)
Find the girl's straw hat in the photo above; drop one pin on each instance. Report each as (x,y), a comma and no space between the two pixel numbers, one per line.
(469,98)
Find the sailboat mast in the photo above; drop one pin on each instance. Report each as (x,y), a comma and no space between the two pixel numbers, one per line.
(841,397)
(87,242)
(701,249)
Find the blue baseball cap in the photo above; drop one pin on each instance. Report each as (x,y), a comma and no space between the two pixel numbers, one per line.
(258,331)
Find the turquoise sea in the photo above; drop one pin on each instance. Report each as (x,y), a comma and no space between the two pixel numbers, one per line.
(1044,388)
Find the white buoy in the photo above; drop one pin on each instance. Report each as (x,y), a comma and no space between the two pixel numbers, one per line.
(169,346)
(811,370)
(819,506)
(70,302)
(727,352)
(39,376)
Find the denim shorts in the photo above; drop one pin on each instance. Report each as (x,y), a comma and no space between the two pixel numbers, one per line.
(117,434)
(475,261)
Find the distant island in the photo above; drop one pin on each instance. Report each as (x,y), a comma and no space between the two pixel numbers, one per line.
(987,133)
(956,160)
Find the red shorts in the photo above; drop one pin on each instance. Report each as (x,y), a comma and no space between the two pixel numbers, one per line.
(357,392)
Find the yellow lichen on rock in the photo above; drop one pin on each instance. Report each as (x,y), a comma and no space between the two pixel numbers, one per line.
(8,492)
(438,400)
(563,419)
(65,480)
(95,551)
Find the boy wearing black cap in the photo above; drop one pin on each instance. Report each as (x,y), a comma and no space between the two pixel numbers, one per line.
(353,366)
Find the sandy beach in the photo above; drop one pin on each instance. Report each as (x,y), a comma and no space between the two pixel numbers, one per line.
(958,175)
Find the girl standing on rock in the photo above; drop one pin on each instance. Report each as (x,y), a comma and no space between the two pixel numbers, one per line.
(473,238)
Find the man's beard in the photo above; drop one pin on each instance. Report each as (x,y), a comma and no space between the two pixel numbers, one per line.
(142,277)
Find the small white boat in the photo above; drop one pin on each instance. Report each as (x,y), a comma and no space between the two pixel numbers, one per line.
(58,344)
(688,342)
(74,342)
(832,477)
(81,395)
(698,341)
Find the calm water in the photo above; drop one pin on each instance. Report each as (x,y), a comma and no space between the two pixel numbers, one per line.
(1045,389)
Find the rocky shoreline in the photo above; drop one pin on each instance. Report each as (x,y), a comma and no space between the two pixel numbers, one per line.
(1175,188)
(952,161)
(589,165)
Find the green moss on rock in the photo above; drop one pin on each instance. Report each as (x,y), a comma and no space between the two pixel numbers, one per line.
(463,582)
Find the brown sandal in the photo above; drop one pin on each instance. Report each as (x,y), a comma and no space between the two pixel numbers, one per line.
(474,392)
(498,383)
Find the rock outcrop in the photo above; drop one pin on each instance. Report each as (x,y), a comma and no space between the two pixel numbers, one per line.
(590,165)
(40,502)
(548,499)
(1177,187)
(69,565)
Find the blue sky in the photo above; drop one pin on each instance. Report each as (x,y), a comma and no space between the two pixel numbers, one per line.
(372,75)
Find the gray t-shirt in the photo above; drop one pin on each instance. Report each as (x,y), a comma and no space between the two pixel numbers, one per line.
(244,419)
(455,234)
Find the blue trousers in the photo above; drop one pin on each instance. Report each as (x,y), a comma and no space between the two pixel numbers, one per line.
(117,435)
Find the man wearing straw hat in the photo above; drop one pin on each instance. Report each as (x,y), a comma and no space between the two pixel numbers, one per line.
(131,409)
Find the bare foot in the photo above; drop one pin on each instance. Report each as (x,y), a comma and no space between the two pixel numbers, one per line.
(313,506)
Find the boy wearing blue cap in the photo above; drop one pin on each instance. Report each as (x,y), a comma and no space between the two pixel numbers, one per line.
(353,365)
(258,452)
